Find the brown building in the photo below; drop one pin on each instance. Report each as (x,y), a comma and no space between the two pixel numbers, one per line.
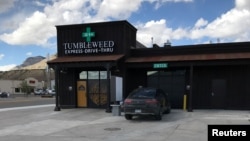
(214,76)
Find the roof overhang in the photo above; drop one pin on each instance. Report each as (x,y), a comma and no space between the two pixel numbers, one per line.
(189,57)
(74,61)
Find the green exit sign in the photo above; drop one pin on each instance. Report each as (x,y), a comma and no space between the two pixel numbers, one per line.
(160,65)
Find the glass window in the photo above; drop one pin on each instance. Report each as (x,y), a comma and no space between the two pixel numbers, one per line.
(17,90)
(143,93)
(93,74)
(103,74)
(83,75)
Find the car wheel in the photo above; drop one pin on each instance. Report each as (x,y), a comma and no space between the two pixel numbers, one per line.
(159,116)
(128,117)
(168,110)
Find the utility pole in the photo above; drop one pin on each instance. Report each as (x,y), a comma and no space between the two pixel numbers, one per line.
(48,73)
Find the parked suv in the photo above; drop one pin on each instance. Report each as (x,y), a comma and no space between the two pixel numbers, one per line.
(146,101)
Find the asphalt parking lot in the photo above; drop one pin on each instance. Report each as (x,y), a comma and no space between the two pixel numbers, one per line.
(22,100)
(40,123)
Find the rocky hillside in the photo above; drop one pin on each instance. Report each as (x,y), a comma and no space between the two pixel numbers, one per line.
(35,67)
(31,60)
(38,62)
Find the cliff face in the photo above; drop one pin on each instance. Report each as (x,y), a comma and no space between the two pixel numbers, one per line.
(35,67)
(37,62)
(30,61)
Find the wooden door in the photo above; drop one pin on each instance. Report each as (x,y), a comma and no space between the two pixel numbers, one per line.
(81,94)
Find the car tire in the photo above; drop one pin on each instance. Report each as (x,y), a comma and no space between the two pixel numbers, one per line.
(168,110)
(128,117)
(159,116)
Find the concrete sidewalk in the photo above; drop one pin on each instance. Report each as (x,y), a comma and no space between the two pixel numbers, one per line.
(42,123)
(21,96)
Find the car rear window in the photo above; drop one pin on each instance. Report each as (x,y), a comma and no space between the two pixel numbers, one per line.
(143,93)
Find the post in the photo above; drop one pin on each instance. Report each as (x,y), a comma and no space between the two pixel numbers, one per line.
(108,109)
(57,108)
(190,108)
(184,102)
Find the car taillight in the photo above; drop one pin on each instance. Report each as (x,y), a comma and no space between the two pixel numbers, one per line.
(128,101)
(151,101)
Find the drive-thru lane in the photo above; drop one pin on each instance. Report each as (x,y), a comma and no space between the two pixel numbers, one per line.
(43,123)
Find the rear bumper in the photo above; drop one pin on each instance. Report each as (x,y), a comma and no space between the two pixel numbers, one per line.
(143,111)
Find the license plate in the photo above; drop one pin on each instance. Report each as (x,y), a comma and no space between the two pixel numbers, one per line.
(137,110)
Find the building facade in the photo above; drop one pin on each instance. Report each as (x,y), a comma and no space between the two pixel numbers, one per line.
(10,81)
(14,86)
(100,63)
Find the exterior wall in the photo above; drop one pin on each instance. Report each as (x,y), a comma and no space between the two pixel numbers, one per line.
(135,78)
(32,82)
(9,85)
(236,87)
(104,38)
(67,81)
(52,84)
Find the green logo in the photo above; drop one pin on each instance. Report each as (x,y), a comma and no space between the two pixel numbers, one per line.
(88,34)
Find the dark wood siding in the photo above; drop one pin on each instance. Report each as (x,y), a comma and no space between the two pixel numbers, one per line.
(67,98)
(237,86)
(137,77)
(121,32)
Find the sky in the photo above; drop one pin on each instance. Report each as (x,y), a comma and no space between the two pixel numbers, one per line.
(28,27)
